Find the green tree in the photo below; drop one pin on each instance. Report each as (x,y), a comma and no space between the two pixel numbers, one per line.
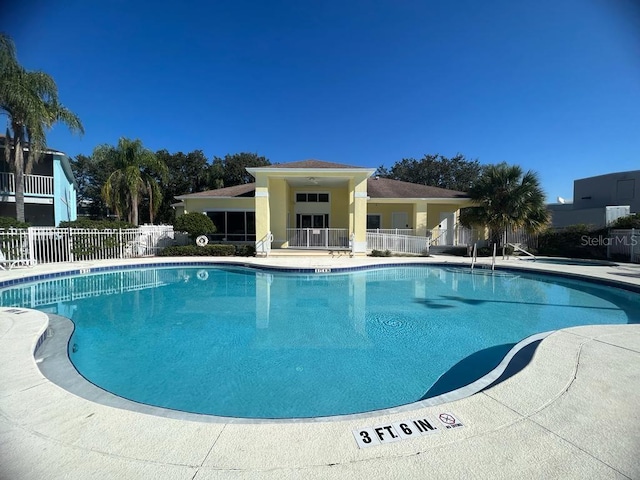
(455,173)
(135,176)
(506,198)
(30,99)
(235,172)
(187,173)
(90,176)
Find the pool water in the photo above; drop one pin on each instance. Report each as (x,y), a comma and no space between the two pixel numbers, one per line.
(240,342)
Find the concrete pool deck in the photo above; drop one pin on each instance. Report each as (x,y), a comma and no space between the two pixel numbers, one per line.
(571,413)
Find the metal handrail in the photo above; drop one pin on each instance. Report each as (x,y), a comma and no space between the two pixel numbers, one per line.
(519,249)
(474,255)
(434,241)
(493,260)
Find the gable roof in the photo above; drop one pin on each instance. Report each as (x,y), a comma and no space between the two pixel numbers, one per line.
(387,188)
(311,163)
(376,188)
(245,190)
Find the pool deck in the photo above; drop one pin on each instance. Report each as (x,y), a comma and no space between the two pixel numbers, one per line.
(573,412)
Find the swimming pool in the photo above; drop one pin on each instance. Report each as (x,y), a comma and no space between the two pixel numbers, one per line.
(242,342)
(571,261)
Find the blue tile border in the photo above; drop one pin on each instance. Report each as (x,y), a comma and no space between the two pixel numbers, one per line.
(267,268)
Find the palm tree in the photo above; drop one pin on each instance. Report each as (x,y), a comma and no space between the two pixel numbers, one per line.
(133,177)
(30,99)
(507,198)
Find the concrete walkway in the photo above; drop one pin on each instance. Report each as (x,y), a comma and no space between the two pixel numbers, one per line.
(573,412)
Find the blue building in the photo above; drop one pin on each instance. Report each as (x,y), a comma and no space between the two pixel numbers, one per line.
(50,191)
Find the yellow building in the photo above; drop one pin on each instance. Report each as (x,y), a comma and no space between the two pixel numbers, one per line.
(314,204)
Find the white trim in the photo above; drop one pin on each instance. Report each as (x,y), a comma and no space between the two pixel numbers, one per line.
(229,210)
(262,194)
(360,195)
(38,200)
(196,196)
(461,200)
(284,170)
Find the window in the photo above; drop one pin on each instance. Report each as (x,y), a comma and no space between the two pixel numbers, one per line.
(312,221)
(234,226)
(373,222)
(312,197)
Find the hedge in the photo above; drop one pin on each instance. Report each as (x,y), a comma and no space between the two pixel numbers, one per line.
(97,224)
(196,251)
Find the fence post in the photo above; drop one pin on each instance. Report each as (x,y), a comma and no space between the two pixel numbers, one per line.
(70,245)
(633,241)
(120,246)
(31,243)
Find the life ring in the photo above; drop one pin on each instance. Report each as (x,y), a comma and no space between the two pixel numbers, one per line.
(202,275)
(202,240)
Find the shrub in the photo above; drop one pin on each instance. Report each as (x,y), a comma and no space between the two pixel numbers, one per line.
(456,251)
(380,253)
(196,251)
(488,251)
(245,250)
(195,224)
(96,224)
(630,221)
(570,242)
(10,222)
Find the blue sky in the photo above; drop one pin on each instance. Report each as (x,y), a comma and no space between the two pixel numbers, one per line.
(553,86)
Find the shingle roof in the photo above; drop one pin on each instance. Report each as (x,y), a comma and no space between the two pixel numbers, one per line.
(235,191)
(311,164)
(376,188)
(388,188)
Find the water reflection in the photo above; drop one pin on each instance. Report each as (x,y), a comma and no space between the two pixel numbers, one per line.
(235,341)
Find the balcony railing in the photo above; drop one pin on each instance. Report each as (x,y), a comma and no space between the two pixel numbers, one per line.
(323,238)
(33,184)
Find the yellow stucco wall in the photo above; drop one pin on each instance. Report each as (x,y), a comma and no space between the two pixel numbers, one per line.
(385,211)
(207,204)
(278,208)
(434,211)
(338,207)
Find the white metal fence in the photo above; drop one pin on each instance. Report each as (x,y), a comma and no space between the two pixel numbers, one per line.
(318,238)
(70,288)
(624,244)
(409,244)
(456,236)
(393,231)
(36,245)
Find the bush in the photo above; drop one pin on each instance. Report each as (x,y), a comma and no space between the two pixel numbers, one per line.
(456,251)
(488,251)
(571,243)
(10,222)
(196,251)
(380,253)
(245,250)
(96,224)
(195,224)
(630,221)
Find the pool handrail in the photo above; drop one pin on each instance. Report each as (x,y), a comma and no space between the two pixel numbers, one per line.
(474,255)
(493,259)
(520,249)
